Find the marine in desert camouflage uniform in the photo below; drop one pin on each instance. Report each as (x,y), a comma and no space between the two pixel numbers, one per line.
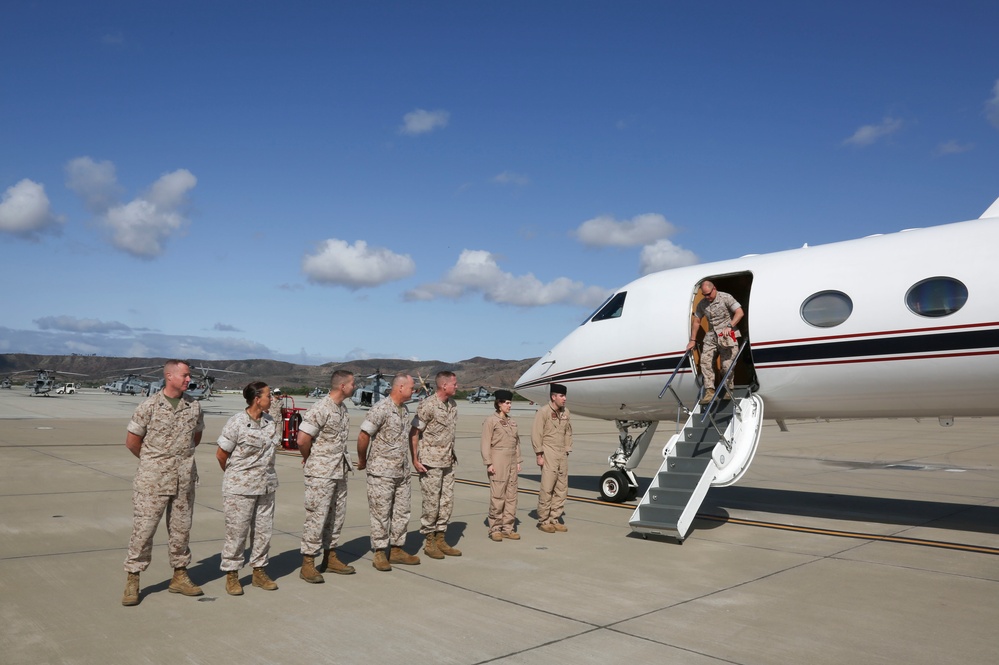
(435,459)
(163,433)
(383,448)
(322,440)
(277,402)
(723,314)
(246,454)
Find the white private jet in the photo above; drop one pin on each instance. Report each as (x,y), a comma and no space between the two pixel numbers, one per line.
(897,325)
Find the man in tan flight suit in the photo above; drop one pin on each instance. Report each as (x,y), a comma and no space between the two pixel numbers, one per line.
(723,313)
(163,433)
(434,459)
(383,447)
(322,440)
(551,438)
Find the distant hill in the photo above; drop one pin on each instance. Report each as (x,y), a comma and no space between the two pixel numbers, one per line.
(478,371)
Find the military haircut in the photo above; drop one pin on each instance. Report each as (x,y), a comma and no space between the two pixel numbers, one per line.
(400,379)
(340,377)
(171,365)
(443,377)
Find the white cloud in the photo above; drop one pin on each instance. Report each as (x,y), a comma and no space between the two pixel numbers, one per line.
(355,266)
(420,121)
(94,182)
(225,327)
(145,345)
(477,271)
(511,178)
(992,106)
(141,226)
(605,231)
(663,255)
(868,134)
(73,324)
(25,211)
(954,147)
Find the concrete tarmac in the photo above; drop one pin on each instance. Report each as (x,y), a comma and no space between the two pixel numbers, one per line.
(850,541)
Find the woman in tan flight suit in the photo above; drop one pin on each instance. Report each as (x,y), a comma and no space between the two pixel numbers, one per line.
(501,455)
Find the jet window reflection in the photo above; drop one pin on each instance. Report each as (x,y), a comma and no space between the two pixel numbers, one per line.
(612,309)
(826,309)
(936,296)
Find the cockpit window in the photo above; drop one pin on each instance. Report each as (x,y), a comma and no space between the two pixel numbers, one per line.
(936,296)
(593,313)
(611,309)
(826,309)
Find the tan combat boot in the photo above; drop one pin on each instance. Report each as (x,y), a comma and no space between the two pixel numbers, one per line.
(181,583)
(431,549)
(309,572)
(380,562)
(262,580)
(708,396)
(560,527)
(444,547)
(334,565)
(131,596)
(547,528)
(232,585)
(399,555)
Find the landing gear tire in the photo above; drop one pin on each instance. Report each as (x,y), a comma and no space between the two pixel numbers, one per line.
(614,486)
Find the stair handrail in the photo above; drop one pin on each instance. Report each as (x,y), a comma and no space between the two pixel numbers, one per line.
(689,354)
(723,383)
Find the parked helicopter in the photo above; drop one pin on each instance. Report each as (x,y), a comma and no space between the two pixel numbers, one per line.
(380,385)
(6,383)
(480,394)
(130,384)
(44,380)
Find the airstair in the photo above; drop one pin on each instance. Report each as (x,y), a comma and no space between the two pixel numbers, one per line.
(714,449)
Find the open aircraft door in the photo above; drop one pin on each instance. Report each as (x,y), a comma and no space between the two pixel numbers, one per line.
(739,286)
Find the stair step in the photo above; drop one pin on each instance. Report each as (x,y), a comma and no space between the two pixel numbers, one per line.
(667,516)
(685,465)
(677,480)
(670,496)
(692,449)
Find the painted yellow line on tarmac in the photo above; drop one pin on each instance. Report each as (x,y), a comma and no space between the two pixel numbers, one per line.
(857,535)
(940,544)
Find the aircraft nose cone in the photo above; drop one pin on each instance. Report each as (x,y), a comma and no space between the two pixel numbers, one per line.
(533,384)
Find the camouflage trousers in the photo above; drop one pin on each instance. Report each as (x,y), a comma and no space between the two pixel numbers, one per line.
(325,510)
(554,486)
(251,516)
(388,505)
(709,349)
(147,510)
(437,488)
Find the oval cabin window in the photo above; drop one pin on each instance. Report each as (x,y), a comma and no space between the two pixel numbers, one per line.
(826,309)
(936,296)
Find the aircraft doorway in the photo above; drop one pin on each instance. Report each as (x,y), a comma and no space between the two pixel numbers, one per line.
(739,286)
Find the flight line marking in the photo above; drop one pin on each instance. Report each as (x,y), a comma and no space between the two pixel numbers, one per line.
(856,535)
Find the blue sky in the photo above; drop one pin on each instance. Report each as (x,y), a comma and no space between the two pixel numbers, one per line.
(319,182)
